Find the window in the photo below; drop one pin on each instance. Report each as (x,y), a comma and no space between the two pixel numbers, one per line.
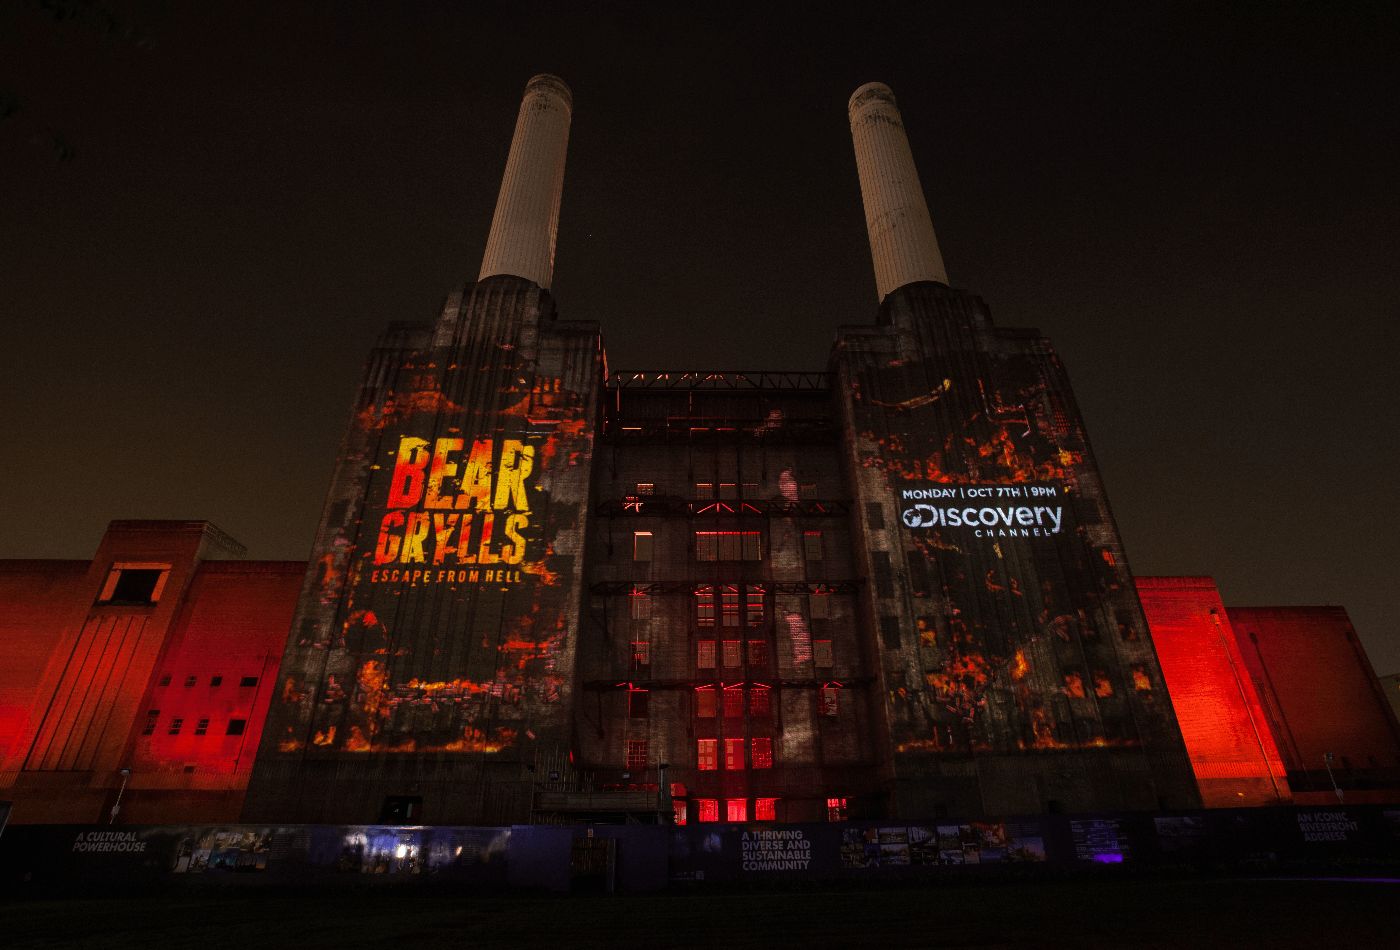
(758,653)
(134,585)
(819,606)
(705,606)
(706,755)
(678,809)
(175,725)
(765,809)
(189,770)
(235,727)
(807,491)
(728,490)
(216,681)
(727,546)
(762,753)
(639,603)
(705,654)
(749,490)
(821,653)
(736,809)
(248,681)
(733,656)
(641,545)
(733,702)
(704,491)
(641,653)
(1141,682)
(812,545)
(705,702)
(753,607)
(646,488)
(201,727)
(729,607)
(149,728)
(760,702)
(637,754)
(830,699)
(165,680)
(637,703)
(707,809)
(190,681)
(836,809)
(734,754)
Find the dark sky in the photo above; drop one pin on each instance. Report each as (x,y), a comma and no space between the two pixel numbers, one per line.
(1197,202)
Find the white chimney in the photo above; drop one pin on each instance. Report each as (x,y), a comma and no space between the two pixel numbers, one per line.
(526,222)
(902,241)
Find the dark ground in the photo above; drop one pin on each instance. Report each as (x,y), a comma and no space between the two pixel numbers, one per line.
(1209,912)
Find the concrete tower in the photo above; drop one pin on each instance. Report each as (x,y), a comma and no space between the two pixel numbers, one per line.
(526,222)
(902,241)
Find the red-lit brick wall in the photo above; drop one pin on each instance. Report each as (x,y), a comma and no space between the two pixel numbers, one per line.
(1322,696)
(1222,720)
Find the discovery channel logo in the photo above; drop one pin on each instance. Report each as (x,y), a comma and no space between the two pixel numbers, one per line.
(988,511)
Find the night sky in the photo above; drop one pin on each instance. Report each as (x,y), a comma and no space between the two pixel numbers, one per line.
(208,213)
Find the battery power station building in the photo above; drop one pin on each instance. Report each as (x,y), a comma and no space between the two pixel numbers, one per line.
(543,592)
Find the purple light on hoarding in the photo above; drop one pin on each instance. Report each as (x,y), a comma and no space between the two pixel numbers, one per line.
(1110,857)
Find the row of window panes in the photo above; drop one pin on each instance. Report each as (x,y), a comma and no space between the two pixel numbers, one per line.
(235,726)
(736,809)
(725,546)
(707,754)
(732,653)
(707,703)
(806,491)
(191,681)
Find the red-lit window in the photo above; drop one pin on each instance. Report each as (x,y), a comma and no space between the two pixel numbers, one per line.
(201,727)
(729,607)
(640,603)
(706,755)
(637,754)
(835,809)
(705,702)
(765,809)
(707,809)
(637,703)
(728,490)
(734,754)
(736,809)
(830,699)
(733,702)
(641,653)
(641,545)
(758,653)
(705,654)
(678,809)
(821,652)
(704,491)
(190,681)
(175,725)
(762,751)
(819,606)
(727,546)
(812,545)
(733,653)
(753,607)
(646,488)
(760,702)
(150,727)
(705,606)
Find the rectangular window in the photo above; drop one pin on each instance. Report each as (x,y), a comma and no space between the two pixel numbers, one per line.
(830,699)
(749,490)
(705,654)
(765,809)
(835,809)
(705,702)
(134,585)
(704,491)
(758,653)
(216,681)
(760,702)
(734,754)
(821,653)
(637,754)
(728,490)
(734,702)
(236,726)
(641,545)
(637,703)
(646,488)
(705,606)
(190,681)
(248,681)
(819,606)
(812,545)
(149,728)
(165,680)
(807,491)
(733,655)
(639,603)
(753,607)
(175,725)
(736,809)
(727,546)
(707,754)
(729,607)
(641,653)
(678,809)
(707,809)
(762,751)
(201,727)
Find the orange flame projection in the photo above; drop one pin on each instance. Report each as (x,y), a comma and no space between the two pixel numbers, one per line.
(1074,685)
(324,738)
(1140,681)
(1102,685)
(1019,666)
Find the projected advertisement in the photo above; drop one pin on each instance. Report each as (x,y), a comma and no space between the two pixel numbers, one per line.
(986,511)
